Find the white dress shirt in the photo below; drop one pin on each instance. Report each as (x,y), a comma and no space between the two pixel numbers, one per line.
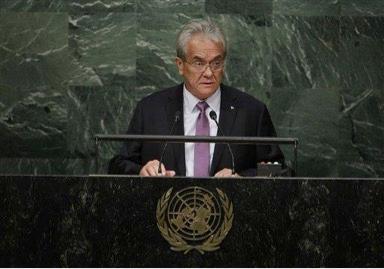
(191,112)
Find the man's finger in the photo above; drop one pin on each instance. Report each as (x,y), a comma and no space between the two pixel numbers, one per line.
(226,172)
(170,173)
(163,171)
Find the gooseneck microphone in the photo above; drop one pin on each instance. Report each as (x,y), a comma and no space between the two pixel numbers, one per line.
(176,119)
(213,116)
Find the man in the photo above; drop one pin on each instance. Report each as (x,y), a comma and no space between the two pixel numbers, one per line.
(201,51)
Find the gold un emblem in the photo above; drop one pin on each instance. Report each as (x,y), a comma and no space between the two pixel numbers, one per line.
(194,218)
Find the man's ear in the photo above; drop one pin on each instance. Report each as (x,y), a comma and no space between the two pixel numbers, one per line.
(180,65)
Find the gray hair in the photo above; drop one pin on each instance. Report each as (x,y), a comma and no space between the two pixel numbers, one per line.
(197,26)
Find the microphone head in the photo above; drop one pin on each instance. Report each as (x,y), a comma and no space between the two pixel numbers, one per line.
(177,115)
(213,115)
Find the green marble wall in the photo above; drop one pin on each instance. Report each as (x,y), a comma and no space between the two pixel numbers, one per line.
(72,68)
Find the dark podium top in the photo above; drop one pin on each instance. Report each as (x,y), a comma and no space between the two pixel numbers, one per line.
(111,221)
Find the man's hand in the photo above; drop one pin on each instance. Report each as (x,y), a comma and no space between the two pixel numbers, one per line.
(226,173)
(150,169)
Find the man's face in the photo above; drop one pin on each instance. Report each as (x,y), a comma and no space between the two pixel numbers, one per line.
(201,81)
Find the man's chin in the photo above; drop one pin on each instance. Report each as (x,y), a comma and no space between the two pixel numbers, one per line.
(207,90)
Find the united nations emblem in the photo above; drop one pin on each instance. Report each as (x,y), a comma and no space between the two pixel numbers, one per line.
(194,218)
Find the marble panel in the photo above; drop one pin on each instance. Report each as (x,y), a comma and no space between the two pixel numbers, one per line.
(306,7)
(98,110)
(154,7)
(249,58)
(33,5)
(156,51)
(313,118)
(305,52)
(362,7)
(92,6)
(244,7)
(34,68)
(305,87)
(362,96)
(103,48)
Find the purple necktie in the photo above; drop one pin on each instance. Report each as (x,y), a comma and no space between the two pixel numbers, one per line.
(202,158)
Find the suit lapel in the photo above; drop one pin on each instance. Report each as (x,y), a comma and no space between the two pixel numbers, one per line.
(175,103)
(228,111)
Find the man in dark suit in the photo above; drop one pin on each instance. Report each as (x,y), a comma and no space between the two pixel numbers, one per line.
(201,51)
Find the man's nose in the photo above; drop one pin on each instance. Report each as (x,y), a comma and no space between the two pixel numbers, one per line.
(208,72)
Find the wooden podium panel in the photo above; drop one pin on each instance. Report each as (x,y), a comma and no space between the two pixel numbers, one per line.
(108,221)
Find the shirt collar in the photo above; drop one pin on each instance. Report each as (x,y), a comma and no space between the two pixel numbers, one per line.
(190,100)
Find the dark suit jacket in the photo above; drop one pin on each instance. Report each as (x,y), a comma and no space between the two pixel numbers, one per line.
(240,115)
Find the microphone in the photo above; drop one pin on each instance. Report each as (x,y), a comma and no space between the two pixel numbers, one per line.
(176,119)
(213,116)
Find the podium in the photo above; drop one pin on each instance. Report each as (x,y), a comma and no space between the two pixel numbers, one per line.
(113,221)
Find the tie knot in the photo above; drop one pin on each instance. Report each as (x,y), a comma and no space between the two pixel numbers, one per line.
(202,106)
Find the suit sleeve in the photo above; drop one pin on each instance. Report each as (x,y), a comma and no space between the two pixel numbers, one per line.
(129,159)
(265,153)
(268,153)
